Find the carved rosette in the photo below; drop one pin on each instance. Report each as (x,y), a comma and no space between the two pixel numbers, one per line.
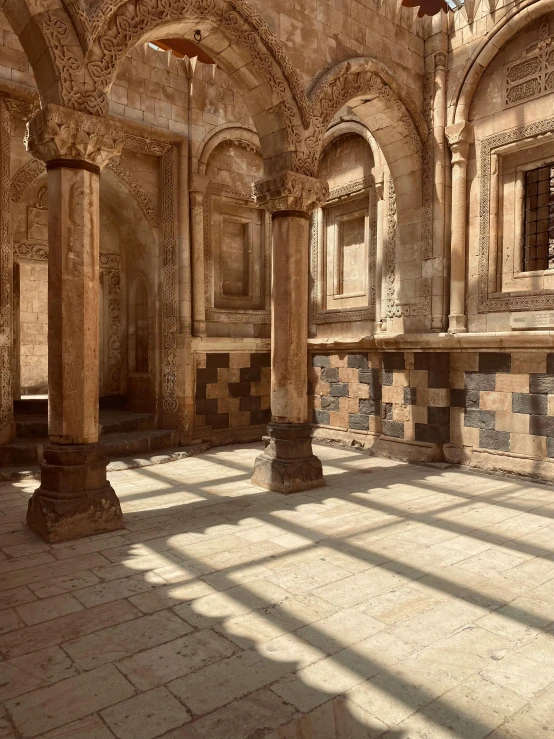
(290,191)
(59,133)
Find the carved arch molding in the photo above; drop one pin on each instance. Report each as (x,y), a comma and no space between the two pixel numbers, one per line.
(97,40)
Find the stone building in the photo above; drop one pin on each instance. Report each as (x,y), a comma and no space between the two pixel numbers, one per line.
(331,216)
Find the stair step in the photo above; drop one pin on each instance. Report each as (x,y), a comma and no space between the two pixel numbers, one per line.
(122,444)
(33,406)
(162,456)
(35,426)
(138,442)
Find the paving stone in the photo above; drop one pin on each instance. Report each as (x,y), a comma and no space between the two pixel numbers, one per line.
(159,665)
(48,708)
(117,642)
(147,715)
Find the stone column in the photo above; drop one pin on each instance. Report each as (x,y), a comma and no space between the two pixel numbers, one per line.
(74,498)
(379,179)
(288,464)
(459,136)
(198,185)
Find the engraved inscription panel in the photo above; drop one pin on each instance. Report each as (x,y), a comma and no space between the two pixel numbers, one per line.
(532,319)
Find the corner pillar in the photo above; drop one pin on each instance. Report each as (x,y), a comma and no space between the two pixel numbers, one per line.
(198,186)
(74,498)
(459,136)
(288,464)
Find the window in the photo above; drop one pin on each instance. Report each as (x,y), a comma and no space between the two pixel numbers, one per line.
(538,251)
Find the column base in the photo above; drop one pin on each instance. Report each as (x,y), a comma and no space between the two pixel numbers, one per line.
(457,324)
(288,464)
(74,498)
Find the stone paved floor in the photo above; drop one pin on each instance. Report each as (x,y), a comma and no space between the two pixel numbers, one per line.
(402,602)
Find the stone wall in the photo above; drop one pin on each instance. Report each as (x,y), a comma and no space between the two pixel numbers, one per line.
(485,409)
(33,327)
(231,394)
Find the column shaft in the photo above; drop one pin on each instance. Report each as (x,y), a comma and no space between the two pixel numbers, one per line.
(289,320)
(459,137)
(73,277)
(74,498)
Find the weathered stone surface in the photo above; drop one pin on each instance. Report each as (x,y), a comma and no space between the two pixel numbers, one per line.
(495,362)
(480,419)
(288,465)
(490,439)
(480,381)
(74,498)
(527,403)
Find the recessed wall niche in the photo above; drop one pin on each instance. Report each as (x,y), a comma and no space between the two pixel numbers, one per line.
(236,238)
(344,235)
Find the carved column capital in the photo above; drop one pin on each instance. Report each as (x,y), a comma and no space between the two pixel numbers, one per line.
(197,189)
(440,60)
(379,179)
(57,135)
(460,136)
(290,191)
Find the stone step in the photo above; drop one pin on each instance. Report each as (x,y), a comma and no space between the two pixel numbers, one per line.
(123,444)
(161,456)
(39,406)
(30,426)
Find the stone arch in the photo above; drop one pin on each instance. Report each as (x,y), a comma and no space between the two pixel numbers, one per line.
(26,174)
(496,38)
(52,46)
(225,132)
(380,105)
(381,97)
(352,126)
(237,39)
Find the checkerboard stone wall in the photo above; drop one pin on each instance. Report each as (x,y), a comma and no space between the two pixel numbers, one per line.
(232,390)
(504,401)
(345,391)
(483,400)
(403,395)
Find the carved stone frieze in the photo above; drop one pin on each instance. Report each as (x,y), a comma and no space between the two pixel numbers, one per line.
(533,75)
(6,309)
(141,196)
(27,250)
(290,191)
(59,133)
(24,177)
(169,281)
(427,169)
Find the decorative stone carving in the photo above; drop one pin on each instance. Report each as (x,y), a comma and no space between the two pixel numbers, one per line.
(23,178)
(343,82)
(290,191)
(533,75)
(235,19)
(459,136)
(38,252)
(112,264)
(58,133)
(427,169)
(169,281)
(6,398)
(137,190)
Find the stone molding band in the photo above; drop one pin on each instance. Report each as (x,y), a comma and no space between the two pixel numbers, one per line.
(290,214)
(73,164)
